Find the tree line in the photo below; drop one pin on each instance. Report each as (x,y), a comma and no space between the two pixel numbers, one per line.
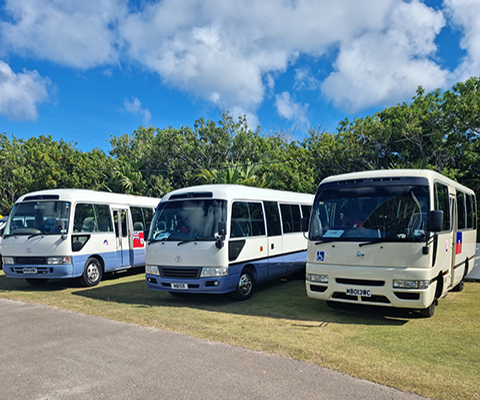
(435,130)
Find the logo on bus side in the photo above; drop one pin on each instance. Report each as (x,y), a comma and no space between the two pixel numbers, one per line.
(320,256)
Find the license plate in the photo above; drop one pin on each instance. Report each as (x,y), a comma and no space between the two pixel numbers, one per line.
(359,292)
(180,286)
(30,271)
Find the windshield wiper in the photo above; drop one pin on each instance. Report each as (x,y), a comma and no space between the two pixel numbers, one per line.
(376,240)
(35,235)
(327,241)
(194,240)
(157,240)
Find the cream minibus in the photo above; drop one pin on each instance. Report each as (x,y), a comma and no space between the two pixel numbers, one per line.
(396,238)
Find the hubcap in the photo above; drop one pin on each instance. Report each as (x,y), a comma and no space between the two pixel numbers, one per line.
(92,272)
(245,284)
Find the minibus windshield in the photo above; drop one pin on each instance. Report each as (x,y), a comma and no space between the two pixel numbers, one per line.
(370,214)
(187,220)
(38,218)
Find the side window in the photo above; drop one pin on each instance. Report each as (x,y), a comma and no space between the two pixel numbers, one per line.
(247,220)
(240,226)
(274,227)
(306,210)
(290,217)
(461,213)
(442,203)
(474,208)
(258,222)
(148,216)
(84,220)
(469,202)
(137,218)
(104,218)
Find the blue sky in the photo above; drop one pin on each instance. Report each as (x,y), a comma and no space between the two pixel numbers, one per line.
(84,71)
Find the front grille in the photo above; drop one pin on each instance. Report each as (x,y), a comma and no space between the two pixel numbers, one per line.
(360,282)
(181,273)
(30,261)
(372,299)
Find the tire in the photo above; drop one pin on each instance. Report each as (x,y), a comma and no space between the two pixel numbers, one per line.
(429,311)
(36,282)
(246,285)
(92,273)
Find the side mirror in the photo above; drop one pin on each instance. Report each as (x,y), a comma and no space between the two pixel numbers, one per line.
(435,221)
(222,228)
(304,224)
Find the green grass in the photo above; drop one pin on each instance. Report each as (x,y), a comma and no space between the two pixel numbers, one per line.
(437,357)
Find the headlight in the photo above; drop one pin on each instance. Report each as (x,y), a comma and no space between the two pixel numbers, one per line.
(59,260)
(151,269)
(410,284)
(317,278)
(209,272)
(8,260)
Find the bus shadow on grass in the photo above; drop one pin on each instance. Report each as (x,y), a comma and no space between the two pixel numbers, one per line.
(280,299)
(53,285)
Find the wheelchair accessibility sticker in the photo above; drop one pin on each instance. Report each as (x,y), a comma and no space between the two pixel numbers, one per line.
(320,256)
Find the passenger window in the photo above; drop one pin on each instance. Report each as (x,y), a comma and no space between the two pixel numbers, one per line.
(274,227)
(247,220)
(290,217)
(306,210)
(469,202)
(461,214)
(442,203)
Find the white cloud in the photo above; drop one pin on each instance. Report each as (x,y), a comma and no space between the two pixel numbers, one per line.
(135,107)
(465,15)
(290,110)
(305,80)
(21,93)
(73,33)
(230,53)
(381,67)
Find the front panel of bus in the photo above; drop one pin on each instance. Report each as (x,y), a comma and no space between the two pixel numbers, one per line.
(369,243)
(185,251)
(35,242)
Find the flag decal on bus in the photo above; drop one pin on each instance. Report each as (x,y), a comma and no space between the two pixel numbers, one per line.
(458,248)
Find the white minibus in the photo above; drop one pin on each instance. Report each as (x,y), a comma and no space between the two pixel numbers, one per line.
(225,239)
(69,233)
(396,238)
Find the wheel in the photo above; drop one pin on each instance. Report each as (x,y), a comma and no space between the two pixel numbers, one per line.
(429,311)
(246,285)
(36,282)
(92,273)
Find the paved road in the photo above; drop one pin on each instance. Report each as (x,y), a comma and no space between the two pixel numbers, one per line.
(50,354)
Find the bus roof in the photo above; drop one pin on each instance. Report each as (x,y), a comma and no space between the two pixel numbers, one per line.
(75,195)
(230,192)
(392,173)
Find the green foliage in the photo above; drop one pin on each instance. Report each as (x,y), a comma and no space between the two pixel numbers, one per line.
(435,130)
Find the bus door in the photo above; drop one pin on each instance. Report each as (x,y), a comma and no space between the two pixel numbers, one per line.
(453,239)
(121,233)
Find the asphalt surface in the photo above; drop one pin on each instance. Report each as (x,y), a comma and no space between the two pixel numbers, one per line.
(50,354)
